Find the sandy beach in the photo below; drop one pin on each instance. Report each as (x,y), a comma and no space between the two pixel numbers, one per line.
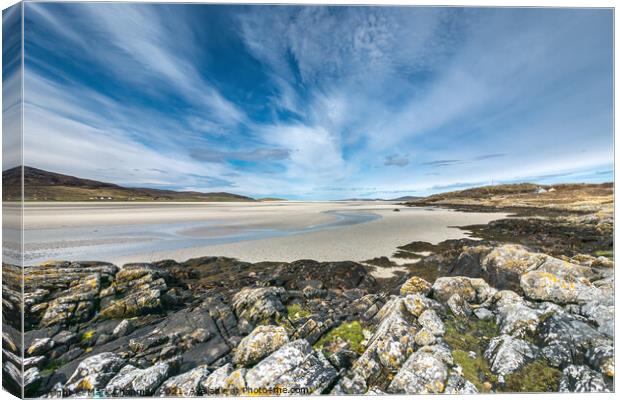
(269,231)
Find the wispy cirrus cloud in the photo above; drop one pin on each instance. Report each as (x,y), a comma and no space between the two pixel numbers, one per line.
(293,100)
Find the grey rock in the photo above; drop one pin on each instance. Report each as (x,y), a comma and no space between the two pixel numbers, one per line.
(579,378)
(124,328)
(40,346)
(507,354)
(285,359)
(545,286)
(94,372)
(458,385)
(483,313)
(314,373)
(187,384)
(142,382)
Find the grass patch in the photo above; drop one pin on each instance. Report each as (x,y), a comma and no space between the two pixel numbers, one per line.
(476,370)
(296,311)
(534,377)
(349,332)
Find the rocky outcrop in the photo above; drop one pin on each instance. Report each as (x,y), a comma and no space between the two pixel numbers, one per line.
(94,373)
(137,290)
(415,285)
(424,372)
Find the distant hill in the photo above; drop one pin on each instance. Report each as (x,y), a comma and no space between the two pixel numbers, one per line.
(271,199)
(568,196)
(406,198)
(40,185)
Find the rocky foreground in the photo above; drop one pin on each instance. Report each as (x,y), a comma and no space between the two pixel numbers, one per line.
(528,308)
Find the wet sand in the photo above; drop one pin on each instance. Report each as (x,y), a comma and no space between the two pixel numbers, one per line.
(273,231)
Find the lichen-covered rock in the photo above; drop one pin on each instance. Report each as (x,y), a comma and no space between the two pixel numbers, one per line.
(459,306)
(483,313)
(424,337)
(137,290)
(415,285)
(579,378)
(217,380)
(505,264)
(315,373)
(142,382)
(294,365)
(507,354)
(94,372)
(188,384)
(263,340)
(255,305)
(288,357)
(545,286)
(415,305)
(424,372)
(602,314)
(32,377)
(63,293)
(472,290)
(431,321)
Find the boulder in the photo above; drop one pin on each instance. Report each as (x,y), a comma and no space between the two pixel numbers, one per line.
(505,264)
(288,357)
(94,372)
(263,340)
(507,354)
(139,382)
(472,290)
(424,372)
(545,286)
(579,378)
(416,285)
(315,373)
(189,384)
(514,315)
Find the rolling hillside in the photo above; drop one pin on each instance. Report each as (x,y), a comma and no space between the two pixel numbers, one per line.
(40,185)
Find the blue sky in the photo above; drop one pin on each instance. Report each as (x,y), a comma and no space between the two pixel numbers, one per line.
(318,102)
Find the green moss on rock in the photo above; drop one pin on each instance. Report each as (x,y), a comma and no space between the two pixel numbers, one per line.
(534,377)
(349,332)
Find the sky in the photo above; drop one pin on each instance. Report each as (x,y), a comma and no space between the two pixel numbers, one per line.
(318,102)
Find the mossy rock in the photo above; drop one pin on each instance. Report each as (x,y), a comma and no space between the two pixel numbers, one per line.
(296,312)
(351,332)
(534,377)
